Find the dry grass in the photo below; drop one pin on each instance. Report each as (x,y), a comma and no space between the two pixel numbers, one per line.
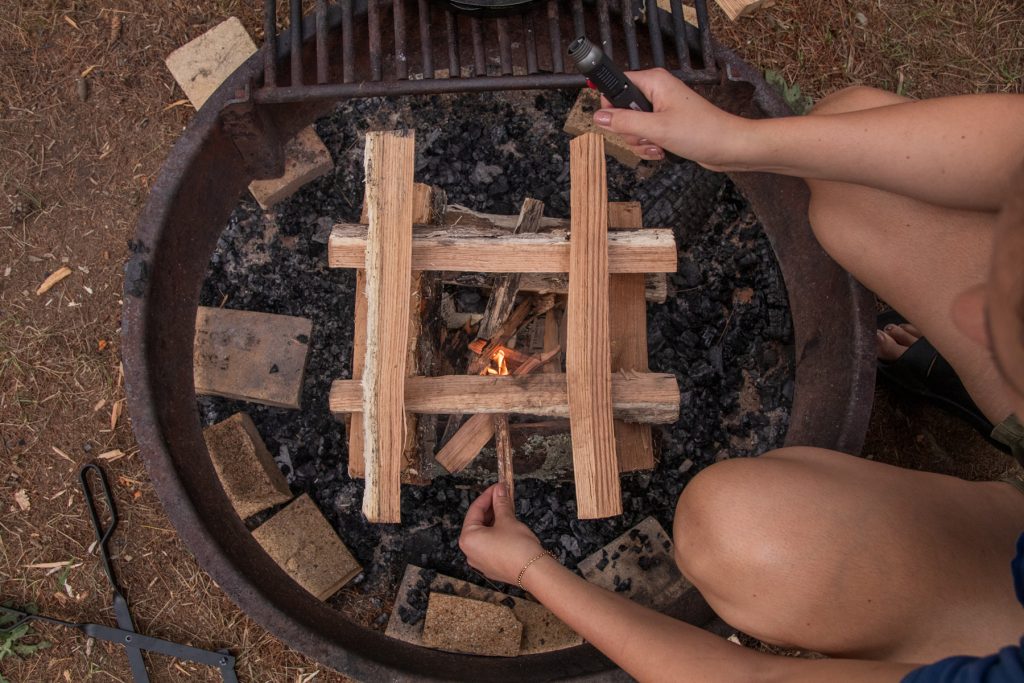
(73,175)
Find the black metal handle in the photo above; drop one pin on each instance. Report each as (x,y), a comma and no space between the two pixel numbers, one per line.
(102,534)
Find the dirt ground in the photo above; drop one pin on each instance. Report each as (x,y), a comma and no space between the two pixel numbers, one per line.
(88,113)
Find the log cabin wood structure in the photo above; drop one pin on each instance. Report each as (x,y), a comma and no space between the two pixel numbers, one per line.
(601,263)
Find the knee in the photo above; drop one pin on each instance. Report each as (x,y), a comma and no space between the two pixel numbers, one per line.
(855,98)
(730,519)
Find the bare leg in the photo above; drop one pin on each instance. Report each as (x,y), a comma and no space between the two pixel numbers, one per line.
(918,257)
(809,548)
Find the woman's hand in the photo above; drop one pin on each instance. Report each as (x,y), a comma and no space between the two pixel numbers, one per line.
(682,122)
(496,544)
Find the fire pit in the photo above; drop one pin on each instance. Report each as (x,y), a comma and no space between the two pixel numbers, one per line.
(830,392)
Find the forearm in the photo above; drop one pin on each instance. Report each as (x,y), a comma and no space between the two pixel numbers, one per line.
(646,644)
(953,151)
(653,647)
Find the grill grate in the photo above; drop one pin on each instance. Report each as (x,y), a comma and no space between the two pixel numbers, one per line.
(474,54)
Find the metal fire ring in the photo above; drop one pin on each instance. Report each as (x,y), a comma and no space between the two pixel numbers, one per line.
(189,205)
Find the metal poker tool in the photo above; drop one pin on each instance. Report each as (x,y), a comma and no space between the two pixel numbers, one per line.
(134,643)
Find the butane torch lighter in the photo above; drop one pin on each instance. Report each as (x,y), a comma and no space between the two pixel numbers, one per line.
(605,75)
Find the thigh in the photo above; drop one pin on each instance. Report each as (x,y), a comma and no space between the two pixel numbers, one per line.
(814,549)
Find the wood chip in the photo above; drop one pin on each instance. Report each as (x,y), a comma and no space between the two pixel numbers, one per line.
(115,413)
(62,454)
(54,277)
(21,498)
(110,456)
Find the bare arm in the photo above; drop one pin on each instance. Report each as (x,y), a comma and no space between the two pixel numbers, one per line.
(646,644)
(952,151)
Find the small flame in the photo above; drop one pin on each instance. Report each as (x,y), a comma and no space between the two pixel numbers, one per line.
(500,365)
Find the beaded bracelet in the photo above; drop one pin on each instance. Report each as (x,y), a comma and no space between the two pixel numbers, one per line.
(519,579)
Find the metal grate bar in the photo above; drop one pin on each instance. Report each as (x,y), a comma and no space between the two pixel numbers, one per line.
(504,47)
(579,22)
(629,28)
(270,47)
(530,38)
(479,54)
(348,43)
(704,25)
(296,31)
(604,27)
(321,42)
(679,35)
(401,56)
(555,34)
(654,31)
(373,24)
(426,47)
(451,28)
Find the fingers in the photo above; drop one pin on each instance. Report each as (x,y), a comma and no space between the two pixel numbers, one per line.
(503,507)
(479,510)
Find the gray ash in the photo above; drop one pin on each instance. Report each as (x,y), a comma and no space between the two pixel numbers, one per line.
(725,331)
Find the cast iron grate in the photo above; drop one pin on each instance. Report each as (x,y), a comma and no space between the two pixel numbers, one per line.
(460,53)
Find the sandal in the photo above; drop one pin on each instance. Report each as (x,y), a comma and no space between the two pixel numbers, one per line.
(922,371)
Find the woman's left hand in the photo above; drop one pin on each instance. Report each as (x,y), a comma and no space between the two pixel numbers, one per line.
(496,544)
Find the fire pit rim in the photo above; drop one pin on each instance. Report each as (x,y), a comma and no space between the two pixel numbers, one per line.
(161,296)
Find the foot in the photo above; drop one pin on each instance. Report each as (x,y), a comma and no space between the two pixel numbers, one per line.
(893,341)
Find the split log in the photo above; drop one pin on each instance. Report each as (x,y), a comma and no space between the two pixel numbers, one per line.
(490,250)
(473,435)
(636,397)
(551,340)
(428,206)
(506,287)
(588,352)
(627,326)
(389,161)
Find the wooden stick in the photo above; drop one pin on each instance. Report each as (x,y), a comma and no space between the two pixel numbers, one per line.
(636,396)
(503,448)
(474,434)
(503,295)
(588,353)
(655,284)
(488,250)
(389,161)
(509,327)
(627,326)
(458,215)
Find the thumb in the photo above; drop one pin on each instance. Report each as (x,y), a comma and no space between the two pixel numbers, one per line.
(503,507)
(628,122)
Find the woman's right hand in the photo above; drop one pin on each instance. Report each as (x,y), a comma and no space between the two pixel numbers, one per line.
(496,544)
(682,122)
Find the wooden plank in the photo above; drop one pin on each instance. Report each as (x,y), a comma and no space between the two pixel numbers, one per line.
(627,327)
(625,215)
(587,351)
(250,356)
(356,446)
(389,162)
(636,397)
(491,250)
(503,449)
(428,205)
(503,295)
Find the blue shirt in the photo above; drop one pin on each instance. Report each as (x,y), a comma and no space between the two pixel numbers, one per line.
(1005,666)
